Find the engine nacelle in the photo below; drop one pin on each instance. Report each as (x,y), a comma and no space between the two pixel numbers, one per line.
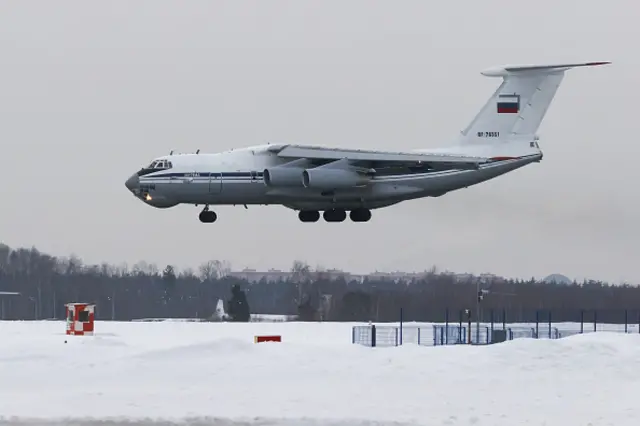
(283,176)
(326,179)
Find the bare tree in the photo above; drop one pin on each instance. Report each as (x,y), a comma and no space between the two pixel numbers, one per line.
(187,273)
(214,270)
(301,275)
(144,268)
(4,256)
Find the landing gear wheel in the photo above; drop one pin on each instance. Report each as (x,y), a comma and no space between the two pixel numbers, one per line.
(334,215)
(360,215)
(308,215)
(207,216)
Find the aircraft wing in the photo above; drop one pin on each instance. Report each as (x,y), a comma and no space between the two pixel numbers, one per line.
(375,159)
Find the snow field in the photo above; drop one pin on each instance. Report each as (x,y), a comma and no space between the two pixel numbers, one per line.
(213,373)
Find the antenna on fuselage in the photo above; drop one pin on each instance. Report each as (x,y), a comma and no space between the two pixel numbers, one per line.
(171,153)
(198,152)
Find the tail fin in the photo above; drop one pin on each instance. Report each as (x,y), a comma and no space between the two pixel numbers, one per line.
(519,104)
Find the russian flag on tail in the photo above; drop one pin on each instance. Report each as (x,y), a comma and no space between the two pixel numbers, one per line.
(508,104)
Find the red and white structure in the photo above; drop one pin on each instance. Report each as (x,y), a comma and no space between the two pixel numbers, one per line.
(80,318)
(259,339)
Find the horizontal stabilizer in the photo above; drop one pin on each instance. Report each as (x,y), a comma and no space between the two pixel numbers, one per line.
(505,70)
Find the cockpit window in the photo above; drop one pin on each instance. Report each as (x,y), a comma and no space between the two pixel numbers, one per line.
(160,164)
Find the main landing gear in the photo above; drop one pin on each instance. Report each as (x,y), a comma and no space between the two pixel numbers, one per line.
(207,216)
(335,215)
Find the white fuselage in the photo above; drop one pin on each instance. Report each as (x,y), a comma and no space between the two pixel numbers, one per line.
(236,178)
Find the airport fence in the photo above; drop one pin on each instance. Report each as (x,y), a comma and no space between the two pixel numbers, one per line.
(480,333)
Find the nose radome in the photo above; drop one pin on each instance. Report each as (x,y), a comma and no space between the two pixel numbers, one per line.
(132,183)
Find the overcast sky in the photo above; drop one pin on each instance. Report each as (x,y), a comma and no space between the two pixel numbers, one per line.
(90,91)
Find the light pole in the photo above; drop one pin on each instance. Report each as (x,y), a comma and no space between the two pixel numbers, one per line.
(35,307)
(480,294)
(112,299)
(468,314)
(479,297)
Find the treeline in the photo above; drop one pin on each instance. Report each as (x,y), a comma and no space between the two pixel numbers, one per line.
(46,283)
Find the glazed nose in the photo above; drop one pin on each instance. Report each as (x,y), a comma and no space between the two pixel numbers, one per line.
(132,183)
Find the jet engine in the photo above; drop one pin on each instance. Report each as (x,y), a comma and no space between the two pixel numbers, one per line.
(282,176)
(327,178)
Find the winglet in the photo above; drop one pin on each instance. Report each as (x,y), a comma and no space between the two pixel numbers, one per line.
(505,70)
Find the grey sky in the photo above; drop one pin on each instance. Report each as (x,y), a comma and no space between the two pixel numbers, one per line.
(92,91)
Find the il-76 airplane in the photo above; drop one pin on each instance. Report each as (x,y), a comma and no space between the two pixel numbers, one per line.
(310,179)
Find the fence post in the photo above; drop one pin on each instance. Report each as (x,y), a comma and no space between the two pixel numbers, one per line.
(446,325)
(401,314)
(595,320)
(537,323)
(460,329)
(478,325)
(373,335)
(504,318)
(491,318)
(626,321)
(353,334)
(549,323)
(581,320)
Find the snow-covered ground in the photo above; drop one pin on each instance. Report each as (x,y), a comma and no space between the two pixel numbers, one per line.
(213,373)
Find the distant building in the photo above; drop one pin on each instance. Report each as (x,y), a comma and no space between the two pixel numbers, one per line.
(557,279)
(253,276)
(484,277)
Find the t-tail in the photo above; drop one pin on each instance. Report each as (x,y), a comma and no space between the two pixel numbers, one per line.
(518,106)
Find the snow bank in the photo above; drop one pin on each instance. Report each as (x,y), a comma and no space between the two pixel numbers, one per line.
(213,373)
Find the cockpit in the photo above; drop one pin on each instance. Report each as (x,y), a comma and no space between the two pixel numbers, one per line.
(160,165)
(155,166)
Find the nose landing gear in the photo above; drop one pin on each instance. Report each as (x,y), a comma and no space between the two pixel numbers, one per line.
(207,216)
